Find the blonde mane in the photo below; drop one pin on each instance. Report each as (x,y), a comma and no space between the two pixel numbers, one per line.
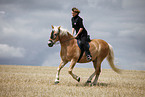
(62,30)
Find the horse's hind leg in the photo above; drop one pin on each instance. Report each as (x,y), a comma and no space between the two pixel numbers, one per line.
(62,64)
(91,77)
(97,67)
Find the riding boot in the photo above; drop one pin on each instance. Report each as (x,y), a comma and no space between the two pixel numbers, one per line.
(89,57)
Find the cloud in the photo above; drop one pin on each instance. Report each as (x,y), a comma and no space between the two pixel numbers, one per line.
(7,51)
(134,4)
(2,12)
(52,60)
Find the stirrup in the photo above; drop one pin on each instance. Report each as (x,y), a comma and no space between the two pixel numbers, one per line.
(89,58)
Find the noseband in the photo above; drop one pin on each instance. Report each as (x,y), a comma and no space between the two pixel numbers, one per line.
(51,42)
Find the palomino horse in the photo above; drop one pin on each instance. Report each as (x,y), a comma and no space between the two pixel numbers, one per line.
(70,52)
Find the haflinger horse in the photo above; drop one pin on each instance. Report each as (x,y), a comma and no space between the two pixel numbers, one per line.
(70,52)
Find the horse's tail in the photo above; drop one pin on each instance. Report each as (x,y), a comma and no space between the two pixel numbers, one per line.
(110,59)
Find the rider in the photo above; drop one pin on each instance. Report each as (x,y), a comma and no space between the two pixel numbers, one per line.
(81,32)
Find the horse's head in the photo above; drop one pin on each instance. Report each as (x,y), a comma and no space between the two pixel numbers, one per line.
(54,37)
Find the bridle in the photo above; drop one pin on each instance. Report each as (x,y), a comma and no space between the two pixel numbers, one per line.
(57,34)
(53,36)
(52,42)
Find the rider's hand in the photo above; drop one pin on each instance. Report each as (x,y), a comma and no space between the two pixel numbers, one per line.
(76,36)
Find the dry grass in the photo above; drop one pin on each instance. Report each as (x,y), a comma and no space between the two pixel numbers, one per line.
(37,81)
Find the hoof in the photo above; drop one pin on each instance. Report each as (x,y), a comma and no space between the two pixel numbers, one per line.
(92,84)
(56,83)
(88,82)
(78,79)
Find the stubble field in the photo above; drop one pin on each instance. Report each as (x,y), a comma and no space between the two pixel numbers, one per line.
(38,81)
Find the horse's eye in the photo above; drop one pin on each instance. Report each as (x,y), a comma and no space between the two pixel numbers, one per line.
(55,34)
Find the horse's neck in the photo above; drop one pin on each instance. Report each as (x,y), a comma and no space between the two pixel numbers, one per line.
(65,40)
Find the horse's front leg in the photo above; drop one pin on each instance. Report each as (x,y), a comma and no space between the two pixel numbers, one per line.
(62,64)
(72,64)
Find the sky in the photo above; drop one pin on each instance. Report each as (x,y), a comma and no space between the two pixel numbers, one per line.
(25,27)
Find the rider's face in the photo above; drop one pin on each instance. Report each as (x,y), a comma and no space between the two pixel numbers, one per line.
(74,14)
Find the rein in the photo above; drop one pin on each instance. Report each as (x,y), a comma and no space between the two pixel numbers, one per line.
(64,41)
(58,34)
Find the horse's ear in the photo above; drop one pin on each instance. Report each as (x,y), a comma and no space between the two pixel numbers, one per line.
(59,27)
(52,26)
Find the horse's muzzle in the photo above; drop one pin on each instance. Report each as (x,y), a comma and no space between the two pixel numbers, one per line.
(50,43)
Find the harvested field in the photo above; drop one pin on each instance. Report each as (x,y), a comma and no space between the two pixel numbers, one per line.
(38,81)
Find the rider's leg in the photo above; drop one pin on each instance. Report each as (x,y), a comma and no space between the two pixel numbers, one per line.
(86,48)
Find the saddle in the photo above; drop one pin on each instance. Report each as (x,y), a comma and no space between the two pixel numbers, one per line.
(81,48)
